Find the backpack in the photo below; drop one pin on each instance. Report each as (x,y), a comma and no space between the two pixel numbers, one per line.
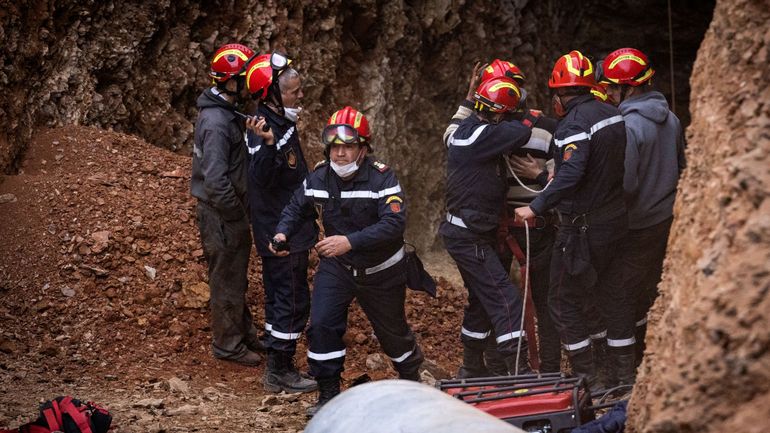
(67,415)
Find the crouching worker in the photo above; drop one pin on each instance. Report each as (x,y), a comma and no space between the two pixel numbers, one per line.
(363,213)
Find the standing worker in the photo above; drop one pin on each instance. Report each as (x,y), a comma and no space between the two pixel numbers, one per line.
(219,183)
(277,168)
(654,161)
(363,212)
(475,193)
(587,192)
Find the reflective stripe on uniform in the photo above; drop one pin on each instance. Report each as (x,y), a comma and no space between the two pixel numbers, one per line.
(392,260)
(285,138)
(579,345)
(402,357)
(587,136)
(474,335)
(467,141)
(371,194)
(268,327)
(457,221)
(326,356)
(510,336)
(318,193)
(621,343)
(599,336)
(642,322)
(284,335)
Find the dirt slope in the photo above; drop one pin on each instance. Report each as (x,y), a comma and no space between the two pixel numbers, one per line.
(708,363)
(103,295)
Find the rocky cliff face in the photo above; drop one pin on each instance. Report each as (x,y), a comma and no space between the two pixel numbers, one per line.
(708,367)
(137,66)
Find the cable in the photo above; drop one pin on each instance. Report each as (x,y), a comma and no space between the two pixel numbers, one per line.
(510,169)
(524,277)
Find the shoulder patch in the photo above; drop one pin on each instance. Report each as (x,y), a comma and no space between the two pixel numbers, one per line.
(320,164)
(382,168)
(568,149)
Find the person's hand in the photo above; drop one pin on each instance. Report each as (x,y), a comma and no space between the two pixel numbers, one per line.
(280,237)
(524,213)
(255,123)
(333,246)
(526,166)
(475,79)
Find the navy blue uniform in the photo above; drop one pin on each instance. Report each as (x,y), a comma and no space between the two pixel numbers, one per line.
(475,194)
(587,191)
(370,211)
(275,172)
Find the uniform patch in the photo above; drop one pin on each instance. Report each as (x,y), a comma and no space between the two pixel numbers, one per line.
(568,149)
(379,166)
(395,203)
(291,158)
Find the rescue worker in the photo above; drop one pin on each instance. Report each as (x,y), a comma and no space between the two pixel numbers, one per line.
(529,163)
(587,191)
(277,168)
(475,193)
(654,161)
(363,213)
(219,183)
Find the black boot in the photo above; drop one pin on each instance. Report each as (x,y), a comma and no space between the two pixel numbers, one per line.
(624,363)
(494,360)
(473,361)
(604,367)
(582,362)
(328,388)
(409,369)
(282,375)
(523,366)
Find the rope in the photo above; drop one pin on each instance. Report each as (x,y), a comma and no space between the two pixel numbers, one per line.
(671,57)
(521,184)
(524,277)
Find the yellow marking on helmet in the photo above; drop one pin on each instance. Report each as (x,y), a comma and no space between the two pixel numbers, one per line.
(233,51)
(627,57)
(576,70)
(256,68)
(511,64)
(646,76)
(504,85)
(333,120)
(357,121)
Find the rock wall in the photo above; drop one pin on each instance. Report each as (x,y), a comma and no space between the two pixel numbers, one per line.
(137,67)
(707,367)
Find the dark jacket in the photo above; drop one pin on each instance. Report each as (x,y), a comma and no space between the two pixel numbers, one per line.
(369,209)
(219,157)
(654,158)
(589,157)
(476,173)
(275,172)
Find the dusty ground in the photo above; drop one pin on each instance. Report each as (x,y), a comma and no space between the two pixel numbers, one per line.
(103,296)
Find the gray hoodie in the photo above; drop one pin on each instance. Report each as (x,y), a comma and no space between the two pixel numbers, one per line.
(654,159)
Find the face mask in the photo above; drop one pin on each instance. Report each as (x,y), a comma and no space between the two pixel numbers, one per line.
(292,113)
(346,170)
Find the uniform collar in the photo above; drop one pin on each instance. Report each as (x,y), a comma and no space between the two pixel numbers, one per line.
(274,117)
(578,100)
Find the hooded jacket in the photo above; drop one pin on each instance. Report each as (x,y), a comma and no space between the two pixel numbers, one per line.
(654,158)
(219,157)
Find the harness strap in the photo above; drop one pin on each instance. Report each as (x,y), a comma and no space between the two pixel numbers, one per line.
(77,415)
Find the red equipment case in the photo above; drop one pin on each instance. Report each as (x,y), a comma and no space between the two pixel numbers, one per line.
(547,403)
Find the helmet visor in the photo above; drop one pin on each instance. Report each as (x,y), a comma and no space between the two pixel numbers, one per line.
(339,134)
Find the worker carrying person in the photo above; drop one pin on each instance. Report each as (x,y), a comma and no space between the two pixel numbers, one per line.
(653,163)
(363,212)
(277,168)
(529,165)
(475,192)
(587,192)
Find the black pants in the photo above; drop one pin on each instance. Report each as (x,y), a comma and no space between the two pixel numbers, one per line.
(380,295)
(287,299)
(599,281)
(227,246)
(494,302)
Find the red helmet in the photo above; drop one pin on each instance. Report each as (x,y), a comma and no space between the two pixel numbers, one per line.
(572,70)
(502,68)
(230,60)
(498,95)
(259,76)
(347,125)
(627,66)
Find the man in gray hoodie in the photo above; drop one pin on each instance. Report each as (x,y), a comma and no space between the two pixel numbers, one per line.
(654,160)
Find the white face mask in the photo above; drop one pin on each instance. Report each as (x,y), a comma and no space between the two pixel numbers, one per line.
(292,113)
(346,170)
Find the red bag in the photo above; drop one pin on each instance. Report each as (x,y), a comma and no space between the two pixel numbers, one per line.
(67,415)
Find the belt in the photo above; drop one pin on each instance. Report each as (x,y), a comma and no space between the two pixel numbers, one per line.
(457,221)
(395,258)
